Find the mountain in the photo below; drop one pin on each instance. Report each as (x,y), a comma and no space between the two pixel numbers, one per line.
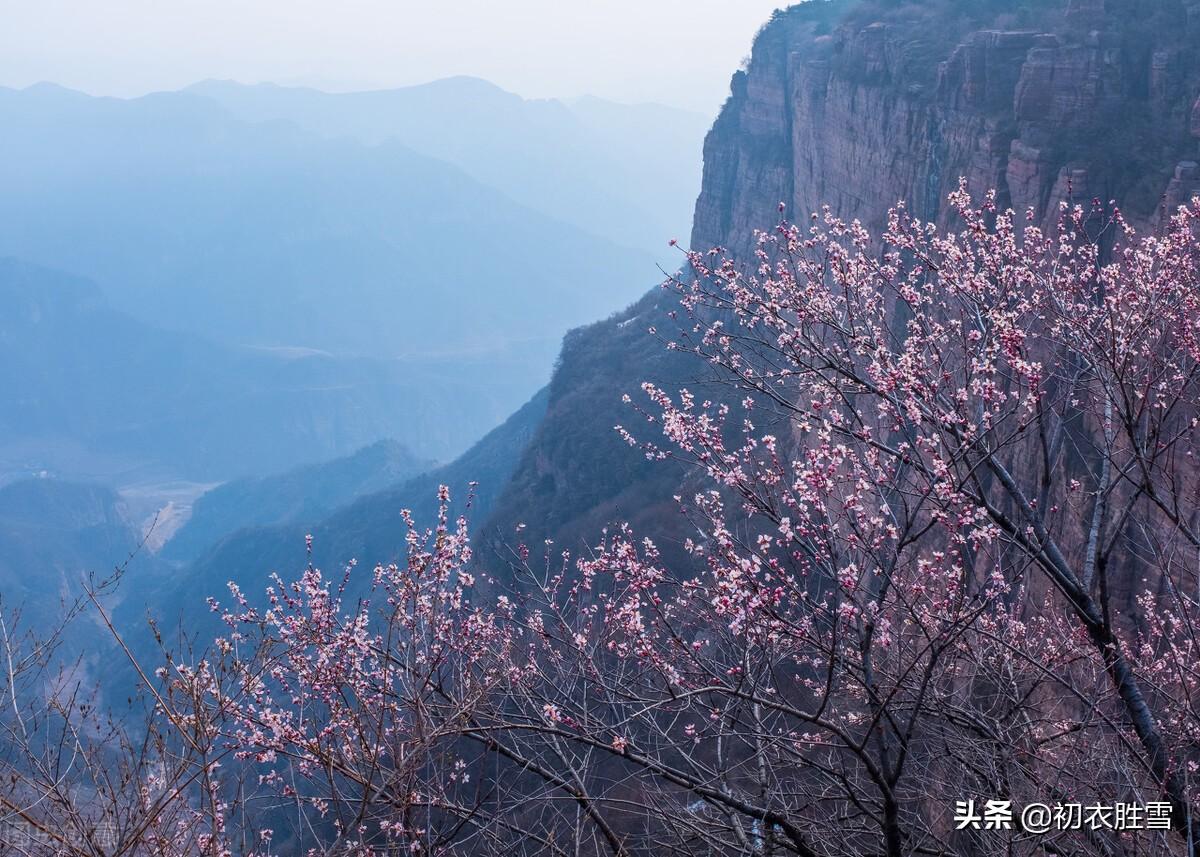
(87,390)
(368,529)
(1002,93)
(626,172)
(56,535)
(267,235)
(263,233)
(303,494)
(576,474)
(858,103)
(861,104)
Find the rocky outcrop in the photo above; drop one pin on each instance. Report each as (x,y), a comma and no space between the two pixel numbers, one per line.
(858,105)
(1184,185)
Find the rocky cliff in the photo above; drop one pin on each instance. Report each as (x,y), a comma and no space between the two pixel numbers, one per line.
(858,105)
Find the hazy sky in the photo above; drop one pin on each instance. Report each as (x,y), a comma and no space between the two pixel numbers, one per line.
(678,52)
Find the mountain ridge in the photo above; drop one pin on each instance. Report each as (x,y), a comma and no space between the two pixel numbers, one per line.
(614,169)
(89,392)
(303,494)
(367,530)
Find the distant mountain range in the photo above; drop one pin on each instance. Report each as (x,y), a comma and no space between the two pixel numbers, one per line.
(88,392)
(386,264)
(265,233)
(306,495)
(367,529)
(628,173)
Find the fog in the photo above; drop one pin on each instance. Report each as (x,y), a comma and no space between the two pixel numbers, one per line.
(678,52)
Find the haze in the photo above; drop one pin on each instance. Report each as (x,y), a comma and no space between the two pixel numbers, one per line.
(677,52)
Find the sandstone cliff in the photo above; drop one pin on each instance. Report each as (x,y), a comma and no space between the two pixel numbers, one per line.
(858,105)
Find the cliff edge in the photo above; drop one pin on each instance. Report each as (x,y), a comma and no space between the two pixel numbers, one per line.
(858,105)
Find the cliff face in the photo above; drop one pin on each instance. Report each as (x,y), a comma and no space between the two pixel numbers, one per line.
(858,105)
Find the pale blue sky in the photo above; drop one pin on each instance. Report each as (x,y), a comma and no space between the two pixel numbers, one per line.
(678,52)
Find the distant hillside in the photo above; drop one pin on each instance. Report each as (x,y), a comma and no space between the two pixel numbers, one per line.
(53,537)
(266,234)
(368,529)
(88,390)
(304,494)
(625,172)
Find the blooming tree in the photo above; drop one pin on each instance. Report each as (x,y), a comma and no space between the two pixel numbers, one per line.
(990,471)
(945,549)
(79,779)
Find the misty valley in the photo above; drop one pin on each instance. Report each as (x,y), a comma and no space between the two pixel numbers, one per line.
(441,470)
(232,307)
